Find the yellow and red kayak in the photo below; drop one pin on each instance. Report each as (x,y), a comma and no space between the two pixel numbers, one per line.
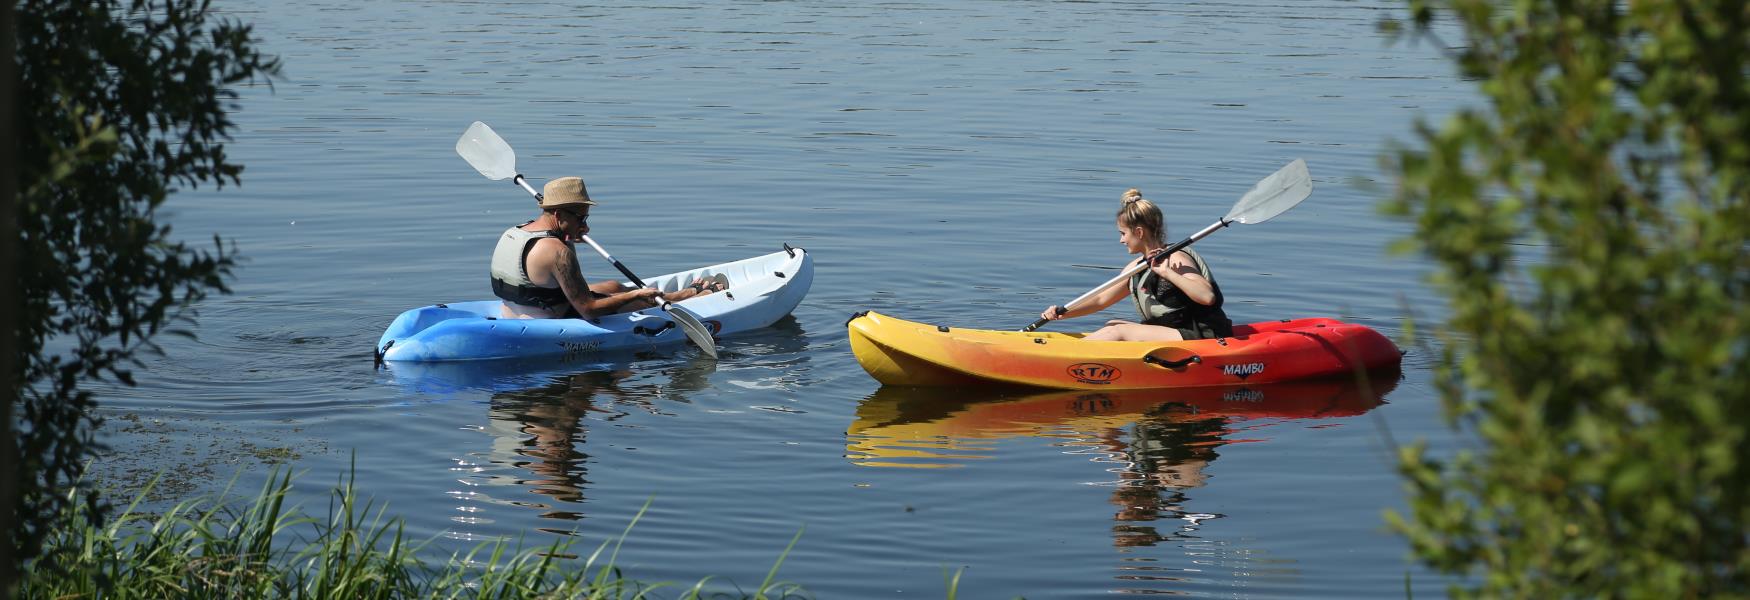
(899,352)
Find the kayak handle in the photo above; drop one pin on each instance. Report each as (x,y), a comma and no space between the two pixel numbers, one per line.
(653,331)
(1172,364)
(379,354)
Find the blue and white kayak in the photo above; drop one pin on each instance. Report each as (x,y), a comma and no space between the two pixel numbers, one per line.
(761,290)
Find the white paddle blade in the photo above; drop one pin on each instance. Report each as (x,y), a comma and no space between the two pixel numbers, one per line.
(1273,195)
(696,331)
(487,152)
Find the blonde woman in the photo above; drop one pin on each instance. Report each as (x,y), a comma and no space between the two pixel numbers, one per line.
(1176,297)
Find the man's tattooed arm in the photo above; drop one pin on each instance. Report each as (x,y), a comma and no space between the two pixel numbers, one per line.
(571,281)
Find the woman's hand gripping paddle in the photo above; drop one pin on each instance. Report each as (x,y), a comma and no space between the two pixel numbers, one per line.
(1271,196)
(489,155)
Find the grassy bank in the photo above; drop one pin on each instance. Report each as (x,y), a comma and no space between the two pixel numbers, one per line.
(215,548)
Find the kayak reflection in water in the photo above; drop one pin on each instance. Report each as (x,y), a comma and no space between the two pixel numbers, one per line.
(535,270)
(1177,297)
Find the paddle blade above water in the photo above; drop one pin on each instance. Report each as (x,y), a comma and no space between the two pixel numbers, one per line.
(1273,195)
(487,152)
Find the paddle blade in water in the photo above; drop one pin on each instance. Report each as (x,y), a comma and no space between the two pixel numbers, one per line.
(487,152)
(1273,195)
(695,330)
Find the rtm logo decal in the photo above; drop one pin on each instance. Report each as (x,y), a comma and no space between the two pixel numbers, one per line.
(715,326)
(1095,373)
(1243,370)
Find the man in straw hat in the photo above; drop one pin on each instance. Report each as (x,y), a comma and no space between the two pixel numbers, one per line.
(535,272)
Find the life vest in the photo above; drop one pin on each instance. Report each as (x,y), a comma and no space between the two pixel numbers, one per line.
(1159,302)
(510,273)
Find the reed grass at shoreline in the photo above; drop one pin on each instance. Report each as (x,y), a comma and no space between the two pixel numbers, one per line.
(218,548)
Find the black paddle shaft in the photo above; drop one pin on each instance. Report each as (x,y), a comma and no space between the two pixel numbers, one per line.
(628,273)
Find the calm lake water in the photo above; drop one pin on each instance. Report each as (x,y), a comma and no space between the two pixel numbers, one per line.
(955,162)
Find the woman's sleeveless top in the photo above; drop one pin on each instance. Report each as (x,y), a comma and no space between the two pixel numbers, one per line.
(1159,302)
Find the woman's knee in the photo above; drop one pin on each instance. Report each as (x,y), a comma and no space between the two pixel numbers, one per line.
(1109,333)
(1136,332)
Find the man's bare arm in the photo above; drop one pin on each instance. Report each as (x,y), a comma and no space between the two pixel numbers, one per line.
(587,303)
(571,281)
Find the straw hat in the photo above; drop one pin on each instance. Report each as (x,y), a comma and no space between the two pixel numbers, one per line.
(563,191)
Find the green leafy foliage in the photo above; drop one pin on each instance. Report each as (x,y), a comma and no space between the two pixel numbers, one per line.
(1589,228)
(118,104)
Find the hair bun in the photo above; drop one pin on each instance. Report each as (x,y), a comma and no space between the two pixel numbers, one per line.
(1132,195)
